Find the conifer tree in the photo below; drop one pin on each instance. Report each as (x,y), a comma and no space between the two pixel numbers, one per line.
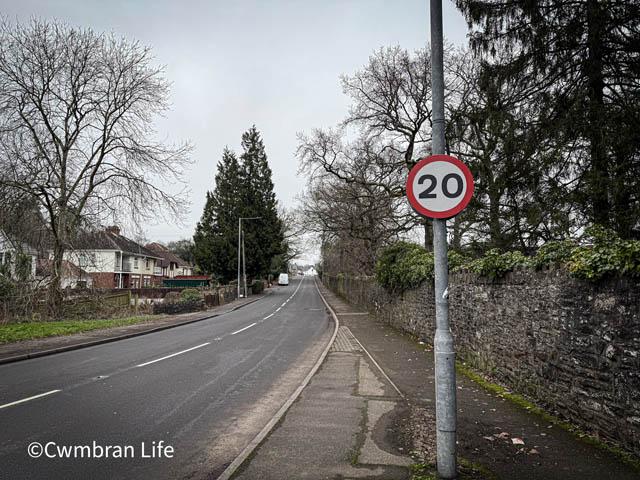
(581,59)
(216,238)
(263,238)
(242,189)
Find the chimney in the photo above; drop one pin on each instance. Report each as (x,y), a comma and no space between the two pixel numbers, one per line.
(113,229)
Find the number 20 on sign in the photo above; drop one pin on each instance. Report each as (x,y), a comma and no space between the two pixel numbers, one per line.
(439,186)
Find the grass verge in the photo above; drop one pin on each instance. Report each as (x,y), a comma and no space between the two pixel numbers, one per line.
(26,331)
(522,402)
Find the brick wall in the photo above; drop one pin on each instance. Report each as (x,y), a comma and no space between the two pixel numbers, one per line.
(103,280)
(572,345)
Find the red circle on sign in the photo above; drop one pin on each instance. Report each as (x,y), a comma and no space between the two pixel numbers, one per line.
(421,210)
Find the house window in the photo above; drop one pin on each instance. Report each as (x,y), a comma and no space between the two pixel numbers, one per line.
(135,262)
(148,264)
(82,260)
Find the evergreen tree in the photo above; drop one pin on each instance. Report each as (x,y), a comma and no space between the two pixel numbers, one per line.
(515,203)
(581,59)
(215,247)
(242,189)
(263,238)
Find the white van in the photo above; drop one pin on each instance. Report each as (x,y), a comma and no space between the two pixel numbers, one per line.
(283,279)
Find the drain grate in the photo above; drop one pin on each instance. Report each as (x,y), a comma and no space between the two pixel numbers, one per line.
(345,341)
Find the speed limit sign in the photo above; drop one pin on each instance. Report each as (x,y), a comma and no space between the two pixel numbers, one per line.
(439,186)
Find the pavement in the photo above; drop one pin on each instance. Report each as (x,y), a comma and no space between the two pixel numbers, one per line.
(372,402)
(22,350)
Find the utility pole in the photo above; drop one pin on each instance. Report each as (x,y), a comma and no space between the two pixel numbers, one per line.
(443,342)
(239,235)
(244,267)
(241,248)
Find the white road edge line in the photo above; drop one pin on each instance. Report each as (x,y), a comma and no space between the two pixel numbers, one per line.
(173,355)
(239,460)
(30,398)
(245,328)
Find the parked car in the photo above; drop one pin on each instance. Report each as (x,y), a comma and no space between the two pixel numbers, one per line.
(283,279)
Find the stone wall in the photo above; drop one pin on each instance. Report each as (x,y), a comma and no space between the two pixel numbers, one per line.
(176,308)
(153,293)
(571,345)
(220,295)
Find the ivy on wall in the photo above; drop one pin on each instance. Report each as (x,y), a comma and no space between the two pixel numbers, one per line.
(404,265)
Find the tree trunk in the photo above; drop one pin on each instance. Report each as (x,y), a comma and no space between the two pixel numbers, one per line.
(428,235)
(456,241)
(496,239)
(54,293)
(599,173)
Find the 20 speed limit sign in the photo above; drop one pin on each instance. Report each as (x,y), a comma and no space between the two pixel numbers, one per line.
(439,186)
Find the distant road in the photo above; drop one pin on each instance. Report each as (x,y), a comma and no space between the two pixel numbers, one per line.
(204,390)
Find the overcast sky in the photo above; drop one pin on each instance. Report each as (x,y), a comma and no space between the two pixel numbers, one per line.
(275,64)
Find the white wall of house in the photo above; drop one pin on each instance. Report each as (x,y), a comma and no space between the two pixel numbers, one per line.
(184,270)
(141,264)
(93,261)
(8,254)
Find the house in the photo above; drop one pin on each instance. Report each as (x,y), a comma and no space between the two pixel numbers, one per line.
(114,261)
(72,276)
(172,265)
(12,251)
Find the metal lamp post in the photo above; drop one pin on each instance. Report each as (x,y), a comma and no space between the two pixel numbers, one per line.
(443,341)
(241,247)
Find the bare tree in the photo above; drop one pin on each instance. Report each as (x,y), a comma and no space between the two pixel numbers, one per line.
(293,232)
(391,112)
(76,131)
(353,220)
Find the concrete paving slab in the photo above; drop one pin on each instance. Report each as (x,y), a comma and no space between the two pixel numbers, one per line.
(368,384)
(370,452)
(330,431)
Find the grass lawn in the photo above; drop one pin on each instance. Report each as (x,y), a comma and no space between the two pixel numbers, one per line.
(25,331)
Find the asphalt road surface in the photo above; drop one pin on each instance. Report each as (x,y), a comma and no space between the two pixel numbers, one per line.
(181,403)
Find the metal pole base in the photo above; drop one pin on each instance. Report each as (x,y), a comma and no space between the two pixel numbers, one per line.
(446,455)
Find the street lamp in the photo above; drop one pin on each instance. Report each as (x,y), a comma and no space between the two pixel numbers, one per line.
(241,246)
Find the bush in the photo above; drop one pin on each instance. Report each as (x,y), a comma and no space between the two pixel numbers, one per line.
(608,255)
(404,266)
(190,295)
(171,297)
(558,251)
(257,287)
(7,288)
(496,264)
(456,260)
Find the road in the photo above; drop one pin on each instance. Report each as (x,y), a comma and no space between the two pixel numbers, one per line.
(188,399)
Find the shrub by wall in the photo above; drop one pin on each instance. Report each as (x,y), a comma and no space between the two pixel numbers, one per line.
(175,308)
